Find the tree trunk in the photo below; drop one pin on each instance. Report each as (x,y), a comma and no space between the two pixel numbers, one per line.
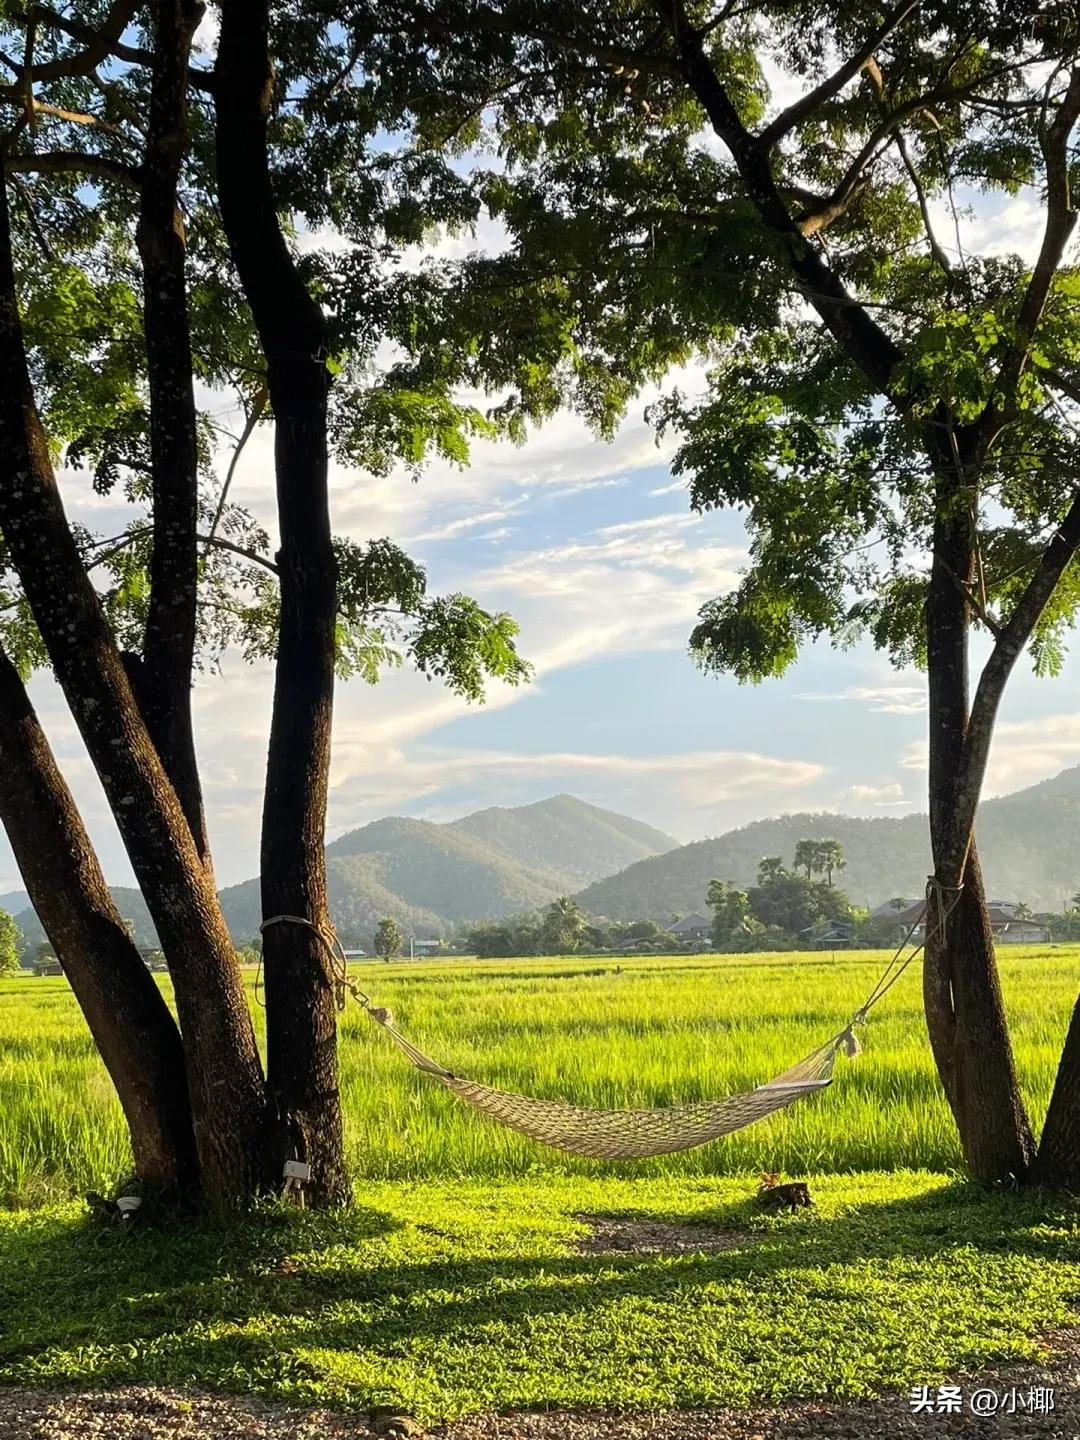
(964,1010)
(300,987)
(224,1076)
(128,1018)
(163,681)
(1058,1161)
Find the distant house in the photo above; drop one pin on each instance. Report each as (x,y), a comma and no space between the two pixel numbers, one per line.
(830,935)
(692,929)
(48,965)
(1008,927)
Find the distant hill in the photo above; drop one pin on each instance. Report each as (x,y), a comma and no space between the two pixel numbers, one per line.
(431,876)
(1029,843)
(129,901)
(14,901)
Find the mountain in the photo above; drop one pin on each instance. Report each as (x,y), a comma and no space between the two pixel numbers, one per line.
(430,876)
(14,901)
(1029,843)
(564,837)
(129,902)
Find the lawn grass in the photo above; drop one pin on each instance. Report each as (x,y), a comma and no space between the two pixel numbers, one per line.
(641,1031)
(443,1300)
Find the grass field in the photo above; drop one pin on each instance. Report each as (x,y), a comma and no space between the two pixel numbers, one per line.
(648,1031)
(448,1299)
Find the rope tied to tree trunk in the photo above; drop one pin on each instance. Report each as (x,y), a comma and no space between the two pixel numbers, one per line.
(937,908)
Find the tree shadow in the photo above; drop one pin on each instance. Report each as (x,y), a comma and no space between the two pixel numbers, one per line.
(159,1305)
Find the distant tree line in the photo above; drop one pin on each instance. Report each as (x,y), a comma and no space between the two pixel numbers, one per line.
(562,928)
(786,907)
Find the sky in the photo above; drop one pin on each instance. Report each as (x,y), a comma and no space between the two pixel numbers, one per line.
(593,548)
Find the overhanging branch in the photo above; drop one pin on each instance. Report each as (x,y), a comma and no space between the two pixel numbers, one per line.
(78,162)
(805,106)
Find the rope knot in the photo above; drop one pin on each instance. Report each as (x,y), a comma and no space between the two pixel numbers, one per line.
(850,1042)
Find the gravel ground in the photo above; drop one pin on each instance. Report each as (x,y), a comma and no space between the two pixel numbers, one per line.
(157,1414)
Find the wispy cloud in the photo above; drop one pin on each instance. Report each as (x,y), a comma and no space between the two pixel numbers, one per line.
(884,699)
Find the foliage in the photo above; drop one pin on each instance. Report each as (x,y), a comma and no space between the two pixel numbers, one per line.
(9,945)
(388,940)
(616,1031)
(783,908)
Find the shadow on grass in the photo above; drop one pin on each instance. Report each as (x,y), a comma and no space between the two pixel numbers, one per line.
(228,1308)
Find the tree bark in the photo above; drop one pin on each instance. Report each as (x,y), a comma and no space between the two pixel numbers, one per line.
(1058,1161)
(128,1018)
(163,681)
(223,1071)
(300,988)
(964,1010)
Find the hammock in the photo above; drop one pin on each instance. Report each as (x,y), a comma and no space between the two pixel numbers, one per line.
(628,1134)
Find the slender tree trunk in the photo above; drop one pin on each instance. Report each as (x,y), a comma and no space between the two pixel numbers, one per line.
(1058,1161)
(964,1010)
(300,988)
(128,1018)
(224,1077)
(163,680)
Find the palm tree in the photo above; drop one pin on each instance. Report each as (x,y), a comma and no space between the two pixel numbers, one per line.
(808,856)
(831,858)
(564,924)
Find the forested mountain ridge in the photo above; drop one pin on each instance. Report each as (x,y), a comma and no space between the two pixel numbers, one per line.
(430,876)
(1029,843)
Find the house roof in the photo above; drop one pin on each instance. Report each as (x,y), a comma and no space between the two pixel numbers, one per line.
(693,921)
(1000,912)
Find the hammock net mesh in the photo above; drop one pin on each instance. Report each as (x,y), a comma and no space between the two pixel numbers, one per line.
(628,1134)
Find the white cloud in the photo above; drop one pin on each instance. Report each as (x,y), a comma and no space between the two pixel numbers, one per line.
(1023,752)
(660,786)
(880,796)
(883,699)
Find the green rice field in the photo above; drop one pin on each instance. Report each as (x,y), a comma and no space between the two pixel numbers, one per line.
(641,1031)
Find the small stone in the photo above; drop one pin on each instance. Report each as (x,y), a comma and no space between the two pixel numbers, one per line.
(398,1426)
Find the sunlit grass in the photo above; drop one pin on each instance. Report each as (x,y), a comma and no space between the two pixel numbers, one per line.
(638,1032)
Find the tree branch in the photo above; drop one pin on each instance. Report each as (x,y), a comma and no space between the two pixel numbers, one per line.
(808,103)
(259,403)
(57,162)
(870,347)
(1060,223)
(1011,640)
(102,44)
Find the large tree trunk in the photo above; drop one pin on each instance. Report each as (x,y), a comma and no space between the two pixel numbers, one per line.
(300,986)
(225,1082)
(163,680)
(128,1018)
(1058,1160)
(964,1010)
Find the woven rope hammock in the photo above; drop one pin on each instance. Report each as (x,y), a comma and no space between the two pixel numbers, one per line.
(633,1134)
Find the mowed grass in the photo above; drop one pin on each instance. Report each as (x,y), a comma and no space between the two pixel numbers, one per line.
(446,1299)
(642,1031)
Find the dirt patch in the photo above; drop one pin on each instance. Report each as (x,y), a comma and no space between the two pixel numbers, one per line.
(153,1413)
(630,1235)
